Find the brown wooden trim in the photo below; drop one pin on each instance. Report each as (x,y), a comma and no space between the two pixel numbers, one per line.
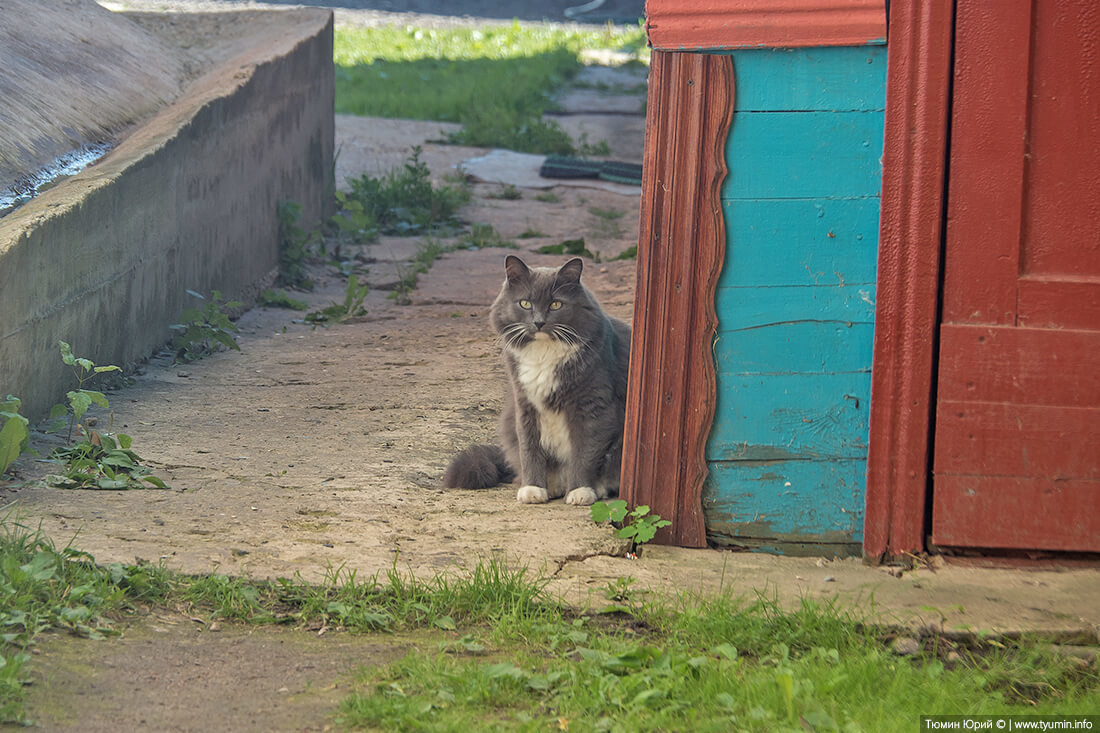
(918,89)
(681,246)
(687,25)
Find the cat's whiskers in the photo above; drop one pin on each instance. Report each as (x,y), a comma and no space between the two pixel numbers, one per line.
(568,335)
(512,335)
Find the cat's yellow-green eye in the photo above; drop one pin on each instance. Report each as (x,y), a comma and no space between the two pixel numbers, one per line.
(555,305)
(525,305)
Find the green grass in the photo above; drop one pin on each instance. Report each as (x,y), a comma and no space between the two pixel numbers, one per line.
(713,665)
(496,81)
(45,587)
(503,654)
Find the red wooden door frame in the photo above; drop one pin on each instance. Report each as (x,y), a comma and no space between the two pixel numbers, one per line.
(918,93)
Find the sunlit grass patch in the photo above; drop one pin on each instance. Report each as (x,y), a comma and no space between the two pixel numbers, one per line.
(714,664)
(496,80)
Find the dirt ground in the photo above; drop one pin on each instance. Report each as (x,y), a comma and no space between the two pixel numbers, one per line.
(318,446)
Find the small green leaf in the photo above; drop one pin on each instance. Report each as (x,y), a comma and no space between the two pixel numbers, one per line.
(504,669)
(645,696)
(786,685)
(108,368)
(118,459)
(159,483)
(445,622)
(97,397)
(79,402)
(725,650)
(125,441)
(538,683)
(42,566)
(13,437)
(67,354)
(627,532)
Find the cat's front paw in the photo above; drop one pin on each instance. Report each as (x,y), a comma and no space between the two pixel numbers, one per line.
(581,496)
(532,495)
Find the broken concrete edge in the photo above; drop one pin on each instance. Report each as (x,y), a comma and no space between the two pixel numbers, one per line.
(957,604)
(187,201)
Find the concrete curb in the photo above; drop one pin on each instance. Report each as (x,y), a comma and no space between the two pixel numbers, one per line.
(186,201)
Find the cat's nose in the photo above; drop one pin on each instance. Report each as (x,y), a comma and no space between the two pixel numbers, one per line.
(539,325)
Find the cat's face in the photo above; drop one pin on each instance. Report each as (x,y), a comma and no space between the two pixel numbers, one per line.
(542,303)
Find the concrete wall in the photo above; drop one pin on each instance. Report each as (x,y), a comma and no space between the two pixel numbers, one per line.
(186,201)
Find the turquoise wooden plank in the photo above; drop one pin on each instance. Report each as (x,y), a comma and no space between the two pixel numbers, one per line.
(799,347)
(806,79)
(800,241)
(760,307)
(804,155)
(802,501)
(790,416)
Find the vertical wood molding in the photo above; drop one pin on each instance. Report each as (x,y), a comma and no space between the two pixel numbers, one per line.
(918,91)
(990,111)
(671,391)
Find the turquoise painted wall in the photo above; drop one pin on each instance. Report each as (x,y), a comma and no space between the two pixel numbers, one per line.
(796,301)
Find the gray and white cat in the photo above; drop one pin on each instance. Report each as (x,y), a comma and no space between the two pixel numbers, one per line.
(562,425)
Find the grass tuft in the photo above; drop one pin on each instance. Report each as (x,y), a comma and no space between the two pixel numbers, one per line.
(44,587)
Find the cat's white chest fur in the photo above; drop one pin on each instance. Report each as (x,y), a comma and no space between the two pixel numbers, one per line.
(536,369)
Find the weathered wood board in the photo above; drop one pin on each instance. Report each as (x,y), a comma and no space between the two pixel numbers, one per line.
(787,451)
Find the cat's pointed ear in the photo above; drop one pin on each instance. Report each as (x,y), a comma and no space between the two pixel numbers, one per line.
(570,272)
(516,269)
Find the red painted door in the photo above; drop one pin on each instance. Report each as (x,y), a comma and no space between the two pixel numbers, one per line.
(1017,437)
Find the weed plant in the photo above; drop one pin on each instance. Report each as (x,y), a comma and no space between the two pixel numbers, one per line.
(481,236)
(352,307)
(507,192)
(575,247)
(427,252)
(101,460)
(404,201)
(638,526)
(205,330)
(295,247)
(280,299)
(431,249)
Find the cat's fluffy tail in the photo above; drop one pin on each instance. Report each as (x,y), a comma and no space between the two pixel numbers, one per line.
(478,467)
